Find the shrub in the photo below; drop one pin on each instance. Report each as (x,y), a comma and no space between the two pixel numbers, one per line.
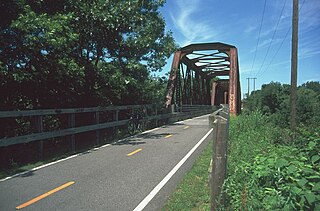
(266,171)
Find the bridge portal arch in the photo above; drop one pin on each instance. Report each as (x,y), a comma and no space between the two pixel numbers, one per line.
(205,74)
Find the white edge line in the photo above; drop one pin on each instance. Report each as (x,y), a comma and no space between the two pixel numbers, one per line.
(76,155)
(70,157)
(155,190)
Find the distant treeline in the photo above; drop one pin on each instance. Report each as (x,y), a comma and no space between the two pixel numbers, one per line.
(273,99)
(70,53)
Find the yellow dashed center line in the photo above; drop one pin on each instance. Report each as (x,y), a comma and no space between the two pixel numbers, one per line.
(186,127)
(134,152)
(44,195)
(168,136)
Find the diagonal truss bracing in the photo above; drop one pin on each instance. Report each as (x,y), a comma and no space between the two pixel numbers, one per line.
(193,76)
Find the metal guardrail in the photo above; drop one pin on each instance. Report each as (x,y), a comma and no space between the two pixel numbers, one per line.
(41,112)
(190,108)
(37,115)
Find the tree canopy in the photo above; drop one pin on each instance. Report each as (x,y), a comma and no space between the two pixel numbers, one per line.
(76,53)
(273,99)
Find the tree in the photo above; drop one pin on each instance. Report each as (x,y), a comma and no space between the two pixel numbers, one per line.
(67,52)
(273,99)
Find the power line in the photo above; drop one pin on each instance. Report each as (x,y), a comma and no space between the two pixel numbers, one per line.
(274,33)
(255,53)
(280,46)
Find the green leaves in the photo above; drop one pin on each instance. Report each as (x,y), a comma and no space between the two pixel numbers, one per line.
(278,176)
(273,100)
(59,49)
(281,163)
(315,159)
(302,182)
(311,197)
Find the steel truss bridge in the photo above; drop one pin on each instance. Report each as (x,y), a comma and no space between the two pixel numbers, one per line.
(205,74)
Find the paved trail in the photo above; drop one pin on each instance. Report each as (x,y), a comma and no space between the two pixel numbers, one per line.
(138,173)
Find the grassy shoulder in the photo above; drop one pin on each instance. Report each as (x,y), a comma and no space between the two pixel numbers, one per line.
(193,191)
(269,168)
(16,169)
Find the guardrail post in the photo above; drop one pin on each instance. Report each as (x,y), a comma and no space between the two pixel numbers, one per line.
(156,111)
(72,124)
(172,109)
(97,117)
(115,118)
(219,163)
(39,128)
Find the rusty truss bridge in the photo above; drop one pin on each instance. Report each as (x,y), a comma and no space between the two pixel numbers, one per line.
(205,74)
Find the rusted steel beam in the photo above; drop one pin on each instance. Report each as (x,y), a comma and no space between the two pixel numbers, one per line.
(222,62)
(192,66)
(213,95)
(203,55)
(207,46)
(218,73)
(223,58)
(172,78)
(210,70)
(212,65)
(234,83)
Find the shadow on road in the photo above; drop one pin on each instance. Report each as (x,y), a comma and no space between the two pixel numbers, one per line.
(142,138)
(152,135)
(129,142)
(28,174)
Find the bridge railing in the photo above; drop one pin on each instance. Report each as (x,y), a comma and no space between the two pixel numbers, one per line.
(194,108)
(71,121)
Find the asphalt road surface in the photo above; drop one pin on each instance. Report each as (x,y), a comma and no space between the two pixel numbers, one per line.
(137,173)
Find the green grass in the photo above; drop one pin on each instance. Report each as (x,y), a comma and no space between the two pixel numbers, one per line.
(193,192)
(15,168)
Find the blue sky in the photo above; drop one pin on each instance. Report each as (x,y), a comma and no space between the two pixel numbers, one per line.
(238,23)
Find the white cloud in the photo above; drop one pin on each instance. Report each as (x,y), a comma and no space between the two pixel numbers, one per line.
(250,28)
(306,52)
(186,20)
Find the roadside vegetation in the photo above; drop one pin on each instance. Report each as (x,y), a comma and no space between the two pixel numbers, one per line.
(268,170)
(269,166)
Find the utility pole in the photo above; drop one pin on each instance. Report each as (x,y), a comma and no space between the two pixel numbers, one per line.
(248,87)
(294,65)
(254,84)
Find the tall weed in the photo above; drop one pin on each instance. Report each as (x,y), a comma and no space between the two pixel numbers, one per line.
(264,173)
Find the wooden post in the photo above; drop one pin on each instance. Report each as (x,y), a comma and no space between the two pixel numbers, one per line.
(172,109)
(145,118)
(219,165)
(39,128)
(115,118)
(294,66)
(156,110)
(72,124)
(97,117)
